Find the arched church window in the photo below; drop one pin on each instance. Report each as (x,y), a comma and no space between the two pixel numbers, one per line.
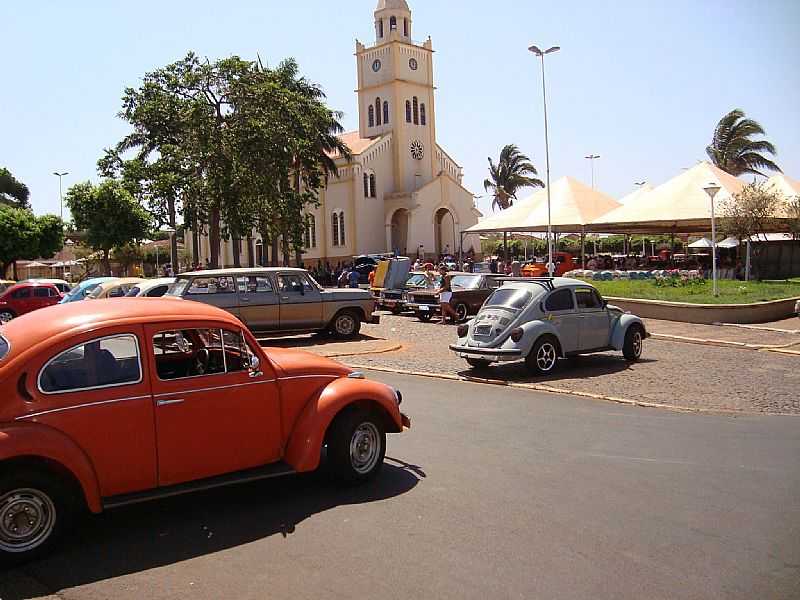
(422,118)
(385,112)
(378,111)
(366,185)
(405,27)
(392,23)
(372,193)
(380,28)
(408,111)
(335,228)
(371,116)
(341,228)
(416,111)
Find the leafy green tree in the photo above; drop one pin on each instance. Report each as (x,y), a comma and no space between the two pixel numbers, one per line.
(734,150)
(25,236)
(13,192)
(512,172)
(793,213)
(109,214)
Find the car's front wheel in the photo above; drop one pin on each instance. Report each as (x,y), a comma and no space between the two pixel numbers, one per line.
(6,316)
(34,512)
(424,316)
(634,341)
(346,325)
(356,445)
(462,312)
(543,357)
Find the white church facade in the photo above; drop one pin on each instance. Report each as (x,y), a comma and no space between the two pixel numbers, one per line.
(400,192)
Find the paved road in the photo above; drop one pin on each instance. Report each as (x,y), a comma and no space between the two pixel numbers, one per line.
(495,493)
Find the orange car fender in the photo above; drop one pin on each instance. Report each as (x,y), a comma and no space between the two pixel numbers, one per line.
(306,439)
(37,441)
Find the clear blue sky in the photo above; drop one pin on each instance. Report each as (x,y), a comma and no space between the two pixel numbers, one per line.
(640,83)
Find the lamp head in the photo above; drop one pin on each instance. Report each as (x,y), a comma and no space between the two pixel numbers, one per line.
(711,189)
(536,50)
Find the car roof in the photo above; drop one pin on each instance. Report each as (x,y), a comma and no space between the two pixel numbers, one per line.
(94,280)
(146,284)
(119,281)
(239,271)
(558,282)
(46,324)
(26,284)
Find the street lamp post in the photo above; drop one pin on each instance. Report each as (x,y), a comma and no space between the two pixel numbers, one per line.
(711,189)
(60,194)
(591,158)
(540,53)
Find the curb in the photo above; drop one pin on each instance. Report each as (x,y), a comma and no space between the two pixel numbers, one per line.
(554,390)
(392,348)
(719,343)
(757,327)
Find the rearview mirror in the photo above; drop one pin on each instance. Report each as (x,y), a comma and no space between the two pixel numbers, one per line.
(255,366)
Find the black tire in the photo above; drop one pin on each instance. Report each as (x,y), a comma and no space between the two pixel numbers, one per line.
(462,312)
(6,315)
(34,500)
(543,357)
(425,316)
(346,325)
(478,363)
(634,342)
(396,309)
(365,430)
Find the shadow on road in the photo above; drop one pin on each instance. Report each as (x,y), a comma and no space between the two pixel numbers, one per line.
(580,367)
(159,533)
(305,340)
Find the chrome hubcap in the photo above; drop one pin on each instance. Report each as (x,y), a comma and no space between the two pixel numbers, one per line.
(27,518)
(345,325)
(546,356)
(365,447)
(5,317)
(461,311)
(637,343)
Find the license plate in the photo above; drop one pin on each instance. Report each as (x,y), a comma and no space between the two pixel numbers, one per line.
(483,330)
(424,308)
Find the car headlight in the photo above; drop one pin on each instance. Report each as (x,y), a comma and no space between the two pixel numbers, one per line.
(404,296)
(397,396)
(516,334)
(463,330)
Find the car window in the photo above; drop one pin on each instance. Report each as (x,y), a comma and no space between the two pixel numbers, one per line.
(200,352)
(254,284)
(156,292)
(588,299)
(4,347)
(105,362)
(509,298)
(21,293)
(41,292)
(133,292)
(467,282)
(211,285)
(560,300)
(178,287)
(118,291)
(293,283)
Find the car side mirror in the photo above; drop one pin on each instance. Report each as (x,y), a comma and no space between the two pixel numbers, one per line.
(605,303)
(255,366)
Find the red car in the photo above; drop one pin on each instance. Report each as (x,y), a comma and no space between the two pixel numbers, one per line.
(26,297)
(108,403)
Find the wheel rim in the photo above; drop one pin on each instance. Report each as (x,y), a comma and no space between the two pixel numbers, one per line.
(461,312)
(345,325)
(546,356)
(637,343)
(27,518)
(5,317)
(365,447)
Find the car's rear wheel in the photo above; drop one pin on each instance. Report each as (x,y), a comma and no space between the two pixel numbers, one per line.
(424,316)
(6,316)
(35,510)
(356,446)
(478,363)
(543,357)
(346,325)
(462,312)
(634,342)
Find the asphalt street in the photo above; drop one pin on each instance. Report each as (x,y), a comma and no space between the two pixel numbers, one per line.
(494,493)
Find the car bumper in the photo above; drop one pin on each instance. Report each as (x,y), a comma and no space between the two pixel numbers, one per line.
(404,418)
(491,354)
(375,319)
(423,308)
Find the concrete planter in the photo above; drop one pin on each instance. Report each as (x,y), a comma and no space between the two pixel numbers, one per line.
(758,312)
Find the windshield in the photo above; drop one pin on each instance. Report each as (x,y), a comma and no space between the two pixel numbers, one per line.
(177,288)
(466,282)
(4,347)
(509,298)
(417,280)
(79,293)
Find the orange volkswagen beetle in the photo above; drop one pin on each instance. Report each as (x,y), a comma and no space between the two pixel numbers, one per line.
(110,403)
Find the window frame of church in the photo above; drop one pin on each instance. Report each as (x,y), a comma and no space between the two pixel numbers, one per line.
(422,117)
(372,186)
(378,111)
(380,28)
(408,111)
(415,108)
(342,240)
(405,27)
(335,227)
(311,232)
(392,23)
(371,116)
(366,185)
(385,112)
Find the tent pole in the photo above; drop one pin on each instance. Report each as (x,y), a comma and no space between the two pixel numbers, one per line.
(505,247)
(583,248)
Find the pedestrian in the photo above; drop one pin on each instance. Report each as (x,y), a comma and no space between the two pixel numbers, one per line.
(445,295)
(353,278)
(371,277)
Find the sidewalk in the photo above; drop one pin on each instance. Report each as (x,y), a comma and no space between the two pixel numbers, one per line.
(735,335)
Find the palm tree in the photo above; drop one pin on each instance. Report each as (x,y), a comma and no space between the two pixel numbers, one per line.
(734,151)
(511,173)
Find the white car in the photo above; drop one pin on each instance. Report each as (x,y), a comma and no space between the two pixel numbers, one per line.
(151,288)
(797,308)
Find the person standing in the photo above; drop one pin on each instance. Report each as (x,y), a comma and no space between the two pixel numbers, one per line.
(445,295)
(353,278)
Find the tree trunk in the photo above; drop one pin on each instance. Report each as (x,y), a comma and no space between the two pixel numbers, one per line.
(236,243)
(298,257)
(285,250)
(213,237)
(106,262)
(273,259)
(173,245)
(250,254)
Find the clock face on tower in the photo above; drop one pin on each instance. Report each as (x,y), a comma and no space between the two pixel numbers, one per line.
(412,64)
(417,150)
(376,65)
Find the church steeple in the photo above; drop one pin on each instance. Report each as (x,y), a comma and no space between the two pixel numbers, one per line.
(392,21)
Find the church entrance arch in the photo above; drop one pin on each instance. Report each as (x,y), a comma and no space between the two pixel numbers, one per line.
(400,231)
(444,228)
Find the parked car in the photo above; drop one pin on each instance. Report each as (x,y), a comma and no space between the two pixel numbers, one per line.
(564,262)
(116,288)
(275,299)
(797,308)
(151,288)
(469,292)
(543,319)
(85,287)
(26,297)
(63,286)
(111,403)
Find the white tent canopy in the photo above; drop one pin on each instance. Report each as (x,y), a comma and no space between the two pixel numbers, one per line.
(701,243)
(573,205)
(636,194)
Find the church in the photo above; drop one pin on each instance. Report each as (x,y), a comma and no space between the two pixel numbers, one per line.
(400,192)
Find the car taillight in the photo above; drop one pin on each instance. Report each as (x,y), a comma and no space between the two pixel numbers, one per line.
(463,330)
(517,334)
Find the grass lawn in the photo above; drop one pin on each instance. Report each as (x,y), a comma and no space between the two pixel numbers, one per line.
(730,292)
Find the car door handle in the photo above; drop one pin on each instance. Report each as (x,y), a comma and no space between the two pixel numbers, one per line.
(168,402)
(284,297)
(243,299)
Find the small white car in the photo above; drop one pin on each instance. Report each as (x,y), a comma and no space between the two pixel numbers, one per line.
(544,319)
(151,288)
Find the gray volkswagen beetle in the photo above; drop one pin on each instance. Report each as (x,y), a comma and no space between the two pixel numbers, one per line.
(542,319)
